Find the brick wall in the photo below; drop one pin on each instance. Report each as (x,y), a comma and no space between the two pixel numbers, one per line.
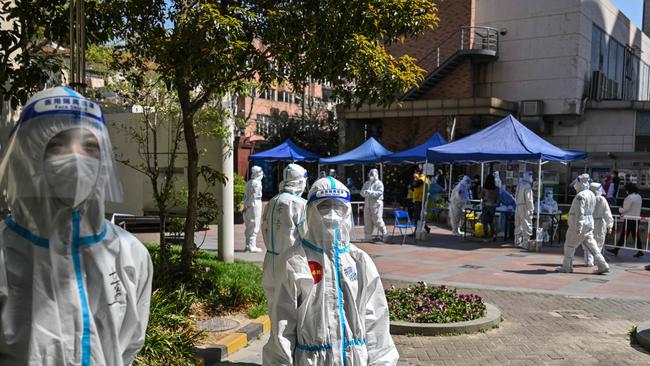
(458,84)
(396,137)
(453,14)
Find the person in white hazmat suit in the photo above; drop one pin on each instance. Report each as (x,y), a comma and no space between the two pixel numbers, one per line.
(497,179)
(524,210)
(282,215)
(373,208)
(603,221)
(460,196)
(253,209)
(74,288)
(329,306)
(548,205)
(581,227)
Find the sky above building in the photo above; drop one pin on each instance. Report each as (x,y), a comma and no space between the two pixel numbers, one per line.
(632,9)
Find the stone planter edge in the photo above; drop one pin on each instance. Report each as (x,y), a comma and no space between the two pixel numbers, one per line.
(490,320)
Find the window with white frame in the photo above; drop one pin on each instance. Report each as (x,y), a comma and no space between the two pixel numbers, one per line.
(268,94)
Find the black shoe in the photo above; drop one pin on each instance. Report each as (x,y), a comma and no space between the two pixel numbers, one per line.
(613,251)
(647,268)
(639,254)
(428,229)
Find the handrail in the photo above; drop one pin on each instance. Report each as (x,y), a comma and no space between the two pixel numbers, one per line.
(465,38)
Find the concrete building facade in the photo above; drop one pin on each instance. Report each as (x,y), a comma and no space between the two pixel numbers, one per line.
(574,71)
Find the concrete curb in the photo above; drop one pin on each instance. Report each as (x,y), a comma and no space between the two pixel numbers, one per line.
(491,319)
(643,335)
(232,342)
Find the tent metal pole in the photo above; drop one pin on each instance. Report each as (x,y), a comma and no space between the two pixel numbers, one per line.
(482,172)
(451,168)
(381,171)
(363,172)
(539,196)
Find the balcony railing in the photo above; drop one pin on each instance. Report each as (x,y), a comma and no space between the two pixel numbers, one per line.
(466,38)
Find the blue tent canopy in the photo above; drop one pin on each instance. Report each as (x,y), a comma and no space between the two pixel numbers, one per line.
(286,151)
(370,151)
(416,154)
(505,140)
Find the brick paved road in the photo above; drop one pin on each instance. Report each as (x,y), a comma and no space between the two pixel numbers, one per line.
(539,329)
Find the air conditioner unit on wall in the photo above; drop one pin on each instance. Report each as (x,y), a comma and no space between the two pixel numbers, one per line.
(531,108)
(597,86)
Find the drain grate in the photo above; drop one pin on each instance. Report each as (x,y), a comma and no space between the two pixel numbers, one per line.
(471,266)
(217,324)
(594,280)
(519,255)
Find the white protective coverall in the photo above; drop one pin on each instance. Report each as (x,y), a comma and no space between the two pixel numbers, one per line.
(581,227)
(497,179)
(329,307)
(373,208)
(460,196)
(603,221)
(253,209)
(74,288)
(548,204)
(524,210)
(282,216)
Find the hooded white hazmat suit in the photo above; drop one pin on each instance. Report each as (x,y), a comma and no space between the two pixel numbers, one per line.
(253,208)
(603,221)
(548,204)
(329,307)
(74,288)
(282,216)
(524,210)
(581,227)
(460,196)
(373,208)
(497,179)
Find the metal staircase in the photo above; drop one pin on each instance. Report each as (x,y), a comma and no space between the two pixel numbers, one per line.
(475,44)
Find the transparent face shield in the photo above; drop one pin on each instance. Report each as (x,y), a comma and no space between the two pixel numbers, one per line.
(59,151)
(597,189)
(580,183)
(329,217)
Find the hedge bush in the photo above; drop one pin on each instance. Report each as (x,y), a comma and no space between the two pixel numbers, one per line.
(220,287)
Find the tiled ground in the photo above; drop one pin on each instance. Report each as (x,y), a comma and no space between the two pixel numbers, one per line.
(444,259)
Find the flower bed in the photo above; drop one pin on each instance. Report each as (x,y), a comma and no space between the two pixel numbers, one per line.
(422,303)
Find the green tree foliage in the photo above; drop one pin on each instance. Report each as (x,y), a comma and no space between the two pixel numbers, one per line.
(205,49)
(316,130)
(158,136)
(25,63)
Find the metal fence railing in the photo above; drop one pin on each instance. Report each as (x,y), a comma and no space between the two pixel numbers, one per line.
(629,232)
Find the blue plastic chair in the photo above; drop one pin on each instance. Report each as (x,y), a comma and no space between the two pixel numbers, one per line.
(403,223)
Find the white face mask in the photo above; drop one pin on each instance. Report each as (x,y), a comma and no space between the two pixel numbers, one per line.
(71,177)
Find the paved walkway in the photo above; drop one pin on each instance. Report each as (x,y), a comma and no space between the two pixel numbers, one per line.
(454,261)
(538,329)
(550,318)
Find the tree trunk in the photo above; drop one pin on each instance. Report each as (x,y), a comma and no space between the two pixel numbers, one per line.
(192,188)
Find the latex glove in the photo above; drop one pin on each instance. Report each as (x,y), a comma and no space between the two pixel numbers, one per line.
(609,230)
